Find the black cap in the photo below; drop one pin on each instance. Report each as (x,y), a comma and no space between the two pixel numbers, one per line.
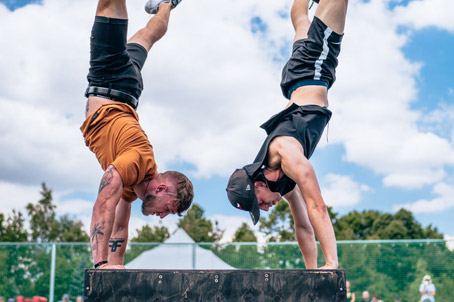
(241,193)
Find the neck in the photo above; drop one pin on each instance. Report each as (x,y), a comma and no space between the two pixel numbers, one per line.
(272,174)
(142,188)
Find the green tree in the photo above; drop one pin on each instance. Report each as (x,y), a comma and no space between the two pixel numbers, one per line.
(432,233)
(151,234)
(373,225)
(243,255)
(279,227)
(29,265)
(355,225)
(13,230)
(13,258)
(198,227)
(71,230)
(341,228)
(244,234)
(43,224)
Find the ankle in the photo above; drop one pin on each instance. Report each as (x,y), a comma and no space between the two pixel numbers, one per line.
(165,6)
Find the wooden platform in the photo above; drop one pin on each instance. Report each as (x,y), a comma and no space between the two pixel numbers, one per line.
(215,285)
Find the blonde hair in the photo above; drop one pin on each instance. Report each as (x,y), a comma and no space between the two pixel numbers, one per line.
(185,190)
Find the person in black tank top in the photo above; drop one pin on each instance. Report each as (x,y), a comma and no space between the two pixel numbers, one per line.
(282,167)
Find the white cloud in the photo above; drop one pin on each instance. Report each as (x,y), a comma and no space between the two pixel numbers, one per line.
(17,197)
(450,242)
(205,92)
(444,201)
(424,13)
(40,144)
(373,117)
(233,87)
(74,207)
(440,120)
(208,85)
(342,190)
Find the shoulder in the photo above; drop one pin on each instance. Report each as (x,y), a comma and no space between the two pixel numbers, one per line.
(282,145)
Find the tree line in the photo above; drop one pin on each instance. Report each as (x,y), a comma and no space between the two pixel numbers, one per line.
(385,269)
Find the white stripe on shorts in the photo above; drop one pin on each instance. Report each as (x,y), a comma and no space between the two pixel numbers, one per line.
(323,55)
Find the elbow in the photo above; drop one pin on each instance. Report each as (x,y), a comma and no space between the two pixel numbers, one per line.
(320,207)
(304,231)
(304,228)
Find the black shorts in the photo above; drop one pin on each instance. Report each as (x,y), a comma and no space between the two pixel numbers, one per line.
(313,60)
(114,63)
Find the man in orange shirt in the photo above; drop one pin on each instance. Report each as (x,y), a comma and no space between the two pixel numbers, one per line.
(112,131)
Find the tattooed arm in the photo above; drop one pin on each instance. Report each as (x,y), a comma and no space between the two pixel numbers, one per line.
(102,220)
(119,238)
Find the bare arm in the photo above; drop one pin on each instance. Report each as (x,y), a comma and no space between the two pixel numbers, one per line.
(303,228)
(119,239)
(109,194)
(295,165)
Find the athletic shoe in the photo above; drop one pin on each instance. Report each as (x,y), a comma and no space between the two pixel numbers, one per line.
(152,6)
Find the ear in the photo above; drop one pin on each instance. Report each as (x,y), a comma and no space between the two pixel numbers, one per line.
(259,184)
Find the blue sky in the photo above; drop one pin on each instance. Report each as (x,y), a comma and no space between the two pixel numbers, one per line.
(390,142)
(15,4)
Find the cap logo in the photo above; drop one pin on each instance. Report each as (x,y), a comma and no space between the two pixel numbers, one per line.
(248,187)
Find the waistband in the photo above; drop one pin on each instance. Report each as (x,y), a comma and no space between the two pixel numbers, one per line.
(112,94)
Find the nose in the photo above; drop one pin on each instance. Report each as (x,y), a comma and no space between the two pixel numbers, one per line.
(163,215)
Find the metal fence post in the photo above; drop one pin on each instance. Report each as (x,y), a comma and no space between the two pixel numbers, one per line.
(52,272)
(194,245)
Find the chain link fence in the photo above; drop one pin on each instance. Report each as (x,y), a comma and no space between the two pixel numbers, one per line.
(386,268)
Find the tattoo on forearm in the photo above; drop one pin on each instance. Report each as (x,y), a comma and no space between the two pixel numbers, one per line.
(96,231)
(106,179)
(115,243)
(87,107)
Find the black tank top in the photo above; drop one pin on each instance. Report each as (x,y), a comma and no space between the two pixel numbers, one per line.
(304,123)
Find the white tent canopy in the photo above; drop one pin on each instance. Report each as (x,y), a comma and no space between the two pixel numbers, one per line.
(179,251)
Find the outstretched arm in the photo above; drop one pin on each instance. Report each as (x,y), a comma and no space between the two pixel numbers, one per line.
(295,165)
(303,228)
(109,194)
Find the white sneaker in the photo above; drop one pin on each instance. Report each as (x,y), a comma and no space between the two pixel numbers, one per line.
(152,6)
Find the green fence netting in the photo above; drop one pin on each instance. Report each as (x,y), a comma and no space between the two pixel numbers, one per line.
(387,268)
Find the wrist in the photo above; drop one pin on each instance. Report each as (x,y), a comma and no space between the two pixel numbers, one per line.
(101,264)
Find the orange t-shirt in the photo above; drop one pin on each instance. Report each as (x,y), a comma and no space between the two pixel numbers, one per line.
(114,134)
